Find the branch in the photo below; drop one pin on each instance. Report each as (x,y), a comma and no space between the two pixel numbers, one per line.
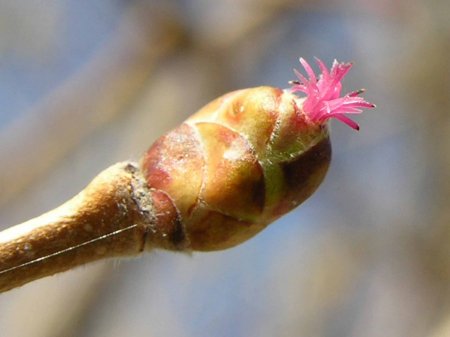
(112,217)
(215,181)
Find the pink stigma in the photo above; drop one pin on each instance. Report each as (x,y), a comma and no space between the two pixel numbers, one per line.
(323,95)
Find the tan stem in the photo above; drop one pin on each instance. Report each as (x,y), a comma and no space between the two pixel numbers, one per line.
(112,217)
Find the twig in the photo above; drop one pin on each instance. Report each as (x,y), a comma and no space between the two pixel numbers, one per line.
(112,217)
(218,179)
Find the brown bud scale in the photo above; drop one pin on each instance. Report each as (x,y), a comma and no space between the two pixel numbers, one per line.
(241,162)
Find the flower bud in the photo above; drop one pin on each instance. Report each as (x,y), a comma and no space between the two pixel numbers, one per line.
(248,157)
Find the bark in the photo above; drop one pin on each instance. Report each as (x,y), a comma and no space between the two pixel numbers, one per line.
(114,216)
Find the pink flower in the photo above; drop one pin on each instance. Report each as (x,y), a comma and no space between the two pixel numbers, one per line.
(323,100)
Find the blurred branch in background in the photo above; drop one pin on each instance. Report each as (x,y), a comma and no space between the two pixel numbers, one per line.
(93,96)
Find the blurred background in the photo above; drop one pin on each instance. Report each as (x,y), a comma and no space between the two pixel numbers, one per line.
(86,84)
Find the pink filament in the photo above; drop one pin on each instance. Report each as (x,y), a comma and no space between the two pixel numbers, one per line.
(323,100)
